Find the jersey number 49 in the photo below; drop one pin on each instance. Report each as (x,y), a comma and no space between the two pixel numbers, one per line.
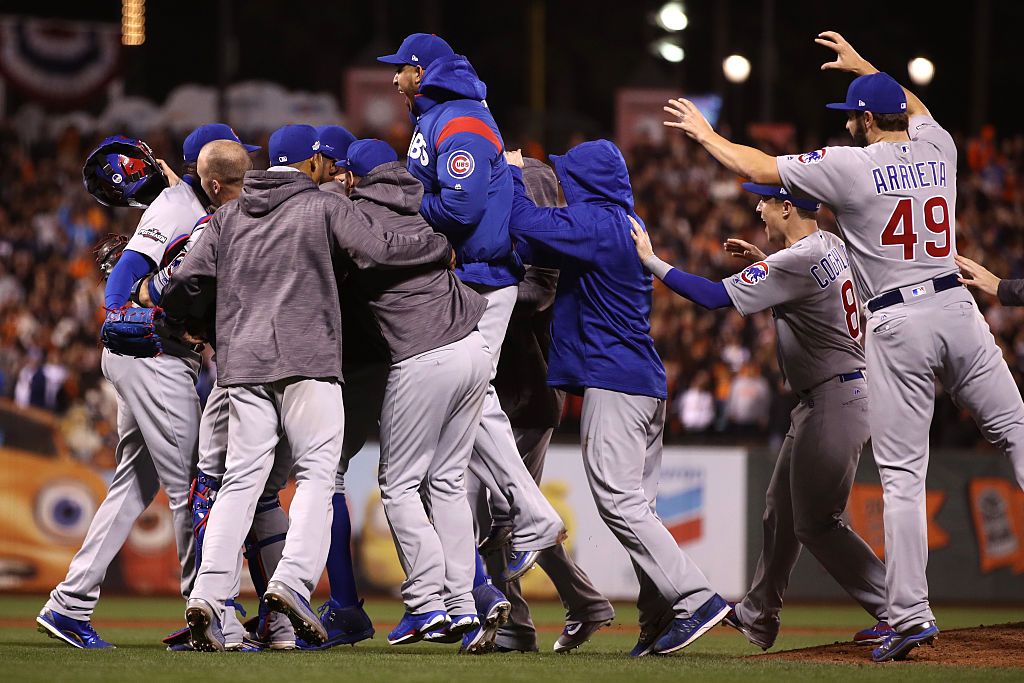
(899,231)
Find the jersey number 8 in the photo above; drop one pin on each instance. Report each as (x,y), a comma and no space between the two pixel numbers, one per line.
(852,312)
(936,220)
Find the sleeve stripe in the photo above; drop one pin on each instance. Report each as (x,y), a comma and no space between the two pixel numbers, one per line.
(468,124)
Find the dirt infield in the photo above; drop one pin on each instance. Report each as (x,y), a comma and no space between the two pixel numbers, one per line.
(997,646)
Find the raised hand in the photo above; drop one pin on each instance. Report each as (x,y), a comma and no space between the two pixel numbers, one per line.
(742,249)
(687,118)
(514,158)
(642,241)
(847,59)
(975,275)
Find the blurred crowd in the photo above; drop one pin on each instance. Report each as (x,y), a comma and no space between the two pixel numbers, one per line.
(724,382)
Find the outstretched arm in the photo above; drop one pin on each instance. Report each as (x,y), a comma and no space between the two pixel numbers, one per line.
(742,160)
(700,291)
(849,60)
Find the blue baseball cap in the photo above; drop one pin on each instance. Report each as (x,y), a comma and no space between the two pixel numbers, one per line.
(878,93)
(366,155)
(419,49)
(334,141)
(209,132)
(292,144)
(776,192)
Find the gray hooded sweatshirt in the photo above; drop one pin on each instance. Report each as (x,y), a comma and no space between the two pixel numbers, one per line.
(418,309)
(269,260)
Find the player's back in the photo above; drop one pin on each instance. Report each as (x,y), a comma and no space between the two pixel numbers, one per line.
(894,202)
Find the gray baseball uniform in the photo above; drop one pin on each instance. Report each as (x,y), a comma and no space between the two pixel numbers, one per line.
(817,324)
(157,426)
(895,202)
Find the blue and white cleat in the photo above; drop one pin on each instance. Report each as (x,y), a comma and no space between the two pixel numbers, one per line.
(344,625)
(684,631)
(520,562)
(460,625)
(413,627)
(873,635)
(75,632)
(281,598)
(204,626)
(898,645)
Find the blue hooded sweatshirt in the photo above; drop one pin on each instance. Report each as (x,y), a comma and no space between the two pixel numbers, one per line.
(458,155)
(600,329)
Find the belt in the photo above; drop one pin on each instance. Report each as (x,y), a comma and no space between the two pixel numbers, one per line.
(848,377)
(895,296)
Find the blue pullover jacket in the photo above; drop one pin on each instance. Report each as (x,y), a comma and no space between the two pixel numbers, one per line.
(600,329)
(457,153)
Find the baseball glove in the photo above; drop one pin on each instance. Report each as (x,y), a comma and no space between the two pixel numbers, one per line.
(132,331)
(108,253)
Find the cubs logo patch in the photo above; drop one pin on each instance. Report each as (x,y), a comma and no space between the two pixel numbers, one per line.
(812,157)
(461,164)
(754,273)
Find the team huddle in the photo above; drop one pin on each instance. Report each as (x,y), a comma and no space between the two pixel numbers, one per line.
(452,301)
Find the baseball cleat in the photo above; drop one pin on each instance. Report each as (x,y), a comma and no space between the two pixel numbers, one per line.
(281,598)
(247,645)
(178,641)
(733,621)
(897,645)
(453,633)
(520,562)
(497,537)
(75,632)
(576,633)
(413,627)
(685,630)
(873,635)
(204,626)
(478,642)
(649,634)
(344,625)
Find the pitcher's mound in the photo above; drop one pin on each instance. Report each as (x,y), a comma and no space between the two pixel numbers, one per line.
(997,646)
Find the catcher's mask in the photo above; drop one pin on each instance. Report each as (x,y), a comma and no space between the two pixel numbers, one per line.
(122,171)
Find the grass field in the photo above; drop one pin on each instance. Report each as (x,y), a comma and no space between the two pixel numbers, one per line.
(136,626)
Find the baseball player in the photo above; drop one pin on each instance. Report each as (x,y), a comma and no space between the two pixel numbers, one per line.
(809,289)
(286,383)
(601,348)
(158,418)
(977,276)
(535,410)
(894,194)
(429,320)
(456,153)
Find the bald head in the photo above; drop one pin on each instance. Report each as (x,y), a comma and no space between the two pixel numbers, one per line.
(222,165)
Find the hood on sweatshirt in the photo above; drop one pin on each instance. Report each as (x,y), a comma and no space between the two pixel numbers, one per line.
(541,182)
(449,78)
(594,171)
(264,191)
(392,186)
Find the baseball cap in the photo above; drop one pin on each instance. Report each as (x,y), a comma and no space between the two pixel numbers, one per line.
(209,132)
(776,192)
(334,141)
(292,144)
(419,49)
(366,155)
(877,92)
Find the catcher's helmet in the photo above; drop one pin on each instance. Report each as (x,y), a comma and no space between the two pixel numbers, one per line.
(122,171)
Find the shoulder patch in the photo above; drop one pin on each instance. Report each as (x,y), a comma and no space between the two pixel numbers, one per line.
(812,157)
(461,164)
(153,234)
(754,273)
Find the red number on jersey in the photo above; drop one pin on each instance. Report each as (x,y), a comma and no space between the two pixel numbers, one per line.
(850,306)
(899,231)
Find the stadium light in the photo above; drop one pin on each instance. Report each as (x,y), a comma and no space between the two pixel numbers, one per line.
(668,50)
(736,68)
(672,17)
(921,71)
(133,22)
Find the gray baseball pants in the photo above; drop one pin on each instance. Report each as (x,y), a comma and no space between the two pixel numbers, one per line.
(310,413)
(622,451)
(581,600)
(430,416)
(806,498)
(938,336)
(157,426)
(495,460)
